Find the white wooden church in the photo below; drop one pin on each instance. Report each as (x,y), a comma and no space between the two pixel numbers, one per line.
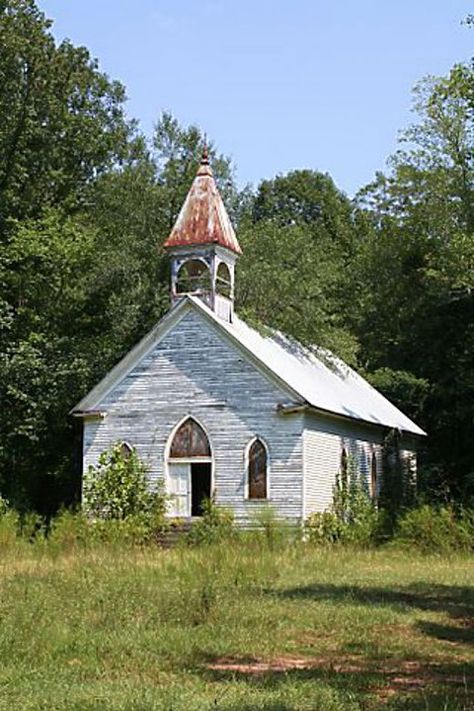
(217,408)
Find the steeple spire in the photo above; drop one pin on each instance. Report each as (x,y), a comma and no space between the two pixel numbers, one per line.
(203,246)
(203,218)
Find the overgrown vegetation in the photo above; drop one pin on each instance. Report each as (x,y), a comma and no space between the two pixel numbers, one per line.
(234,619)
(215,524)
(357,518)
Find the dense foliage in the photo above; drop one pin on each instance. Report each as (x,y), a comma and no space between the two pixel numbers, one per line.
(117,487)
(86,202)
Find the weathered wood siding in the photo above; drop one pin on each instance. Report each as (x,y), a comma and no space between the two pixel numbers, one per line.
(324,440)
(195,370)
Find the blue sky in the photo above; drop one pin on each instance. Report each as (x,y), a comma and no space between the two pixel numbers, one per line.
(277,84)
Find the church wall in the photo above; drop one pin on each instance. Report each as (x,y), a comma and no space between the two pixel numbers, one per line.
(324,439)
(195,370)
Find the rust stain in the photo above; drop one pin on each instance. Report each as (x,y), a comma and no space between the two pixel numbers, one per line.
(203,218)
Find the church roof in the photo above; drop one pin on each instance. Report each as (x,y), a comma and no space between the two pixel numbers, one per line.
(203,218)
(312,376)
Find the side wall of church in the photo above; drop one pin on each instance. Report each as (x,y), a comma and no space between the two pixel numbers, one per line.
(196,371)
(324,439)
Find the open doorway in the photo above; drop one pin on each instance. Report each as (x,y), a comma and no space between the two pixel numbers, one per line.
(200,486)
(189,470)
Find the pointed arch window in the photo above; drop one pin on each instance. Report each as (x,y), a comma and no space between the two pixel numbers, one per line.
(190,441)
(257,470)
(373,476)
(344,468)
(125,450)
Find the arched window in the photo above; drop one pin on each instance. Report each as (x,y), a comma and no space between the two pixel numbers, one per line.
(257,470)
(373,476)
(193,276)
(344,468)
(223,280)
(189,441)
(125,450)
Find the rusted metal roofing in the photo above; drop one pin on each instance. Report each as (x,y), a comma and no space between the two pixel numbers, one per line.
(203,218)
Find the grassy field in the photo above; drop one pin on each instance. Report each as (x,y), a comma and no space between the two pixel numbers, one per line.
(235,627)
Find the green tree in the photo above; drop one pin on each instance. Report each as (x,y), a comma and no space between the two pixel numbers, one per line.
(45,357)
(61,120)
(117,487)
(298,238)
(415,307)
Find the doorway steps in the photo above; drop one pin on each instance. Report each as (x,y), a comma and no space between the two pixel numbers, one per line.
(175,533)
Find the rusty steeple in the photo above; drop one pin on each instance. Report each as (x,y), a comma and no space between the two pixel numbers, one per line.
(203,219)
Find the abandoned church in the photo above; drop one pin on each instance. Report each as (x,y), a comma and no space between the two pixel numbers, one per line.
(217,408)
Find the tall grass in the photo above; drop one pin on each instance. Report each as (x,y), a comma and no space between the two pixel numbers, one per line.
(89,624)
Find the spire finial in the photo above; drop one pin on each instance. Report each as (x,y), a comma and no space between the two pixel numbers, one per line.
(205,153)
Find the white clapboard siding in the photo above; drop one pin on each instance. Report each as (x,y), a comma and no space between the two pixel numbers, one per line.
(324,440)
(195,371)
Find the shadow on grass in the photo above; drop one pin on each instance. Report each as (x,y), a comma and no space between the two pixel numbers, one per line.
(409,688)
(395,685)
(455,634)
(456,601)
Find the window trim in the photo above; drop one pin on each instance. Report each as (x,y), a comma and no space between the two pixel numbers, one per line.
(268,470)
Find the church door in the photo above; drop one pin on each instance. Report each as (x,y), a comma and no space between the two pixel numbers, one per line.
(179,489)
(189,479)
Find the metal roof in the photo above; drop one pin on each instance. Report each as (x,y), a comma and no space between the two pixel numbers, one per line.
(321,379)
(203,218)
(313,375)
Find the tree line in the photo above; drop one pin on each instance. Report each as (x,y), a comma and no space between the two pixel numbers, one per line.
(385,280)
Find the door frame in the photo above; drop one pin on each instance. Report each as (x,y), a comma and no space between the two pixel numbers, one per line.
(187,460)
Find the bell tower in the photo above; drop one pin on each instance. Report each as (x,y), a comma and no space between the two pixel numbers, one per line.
(203,247)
